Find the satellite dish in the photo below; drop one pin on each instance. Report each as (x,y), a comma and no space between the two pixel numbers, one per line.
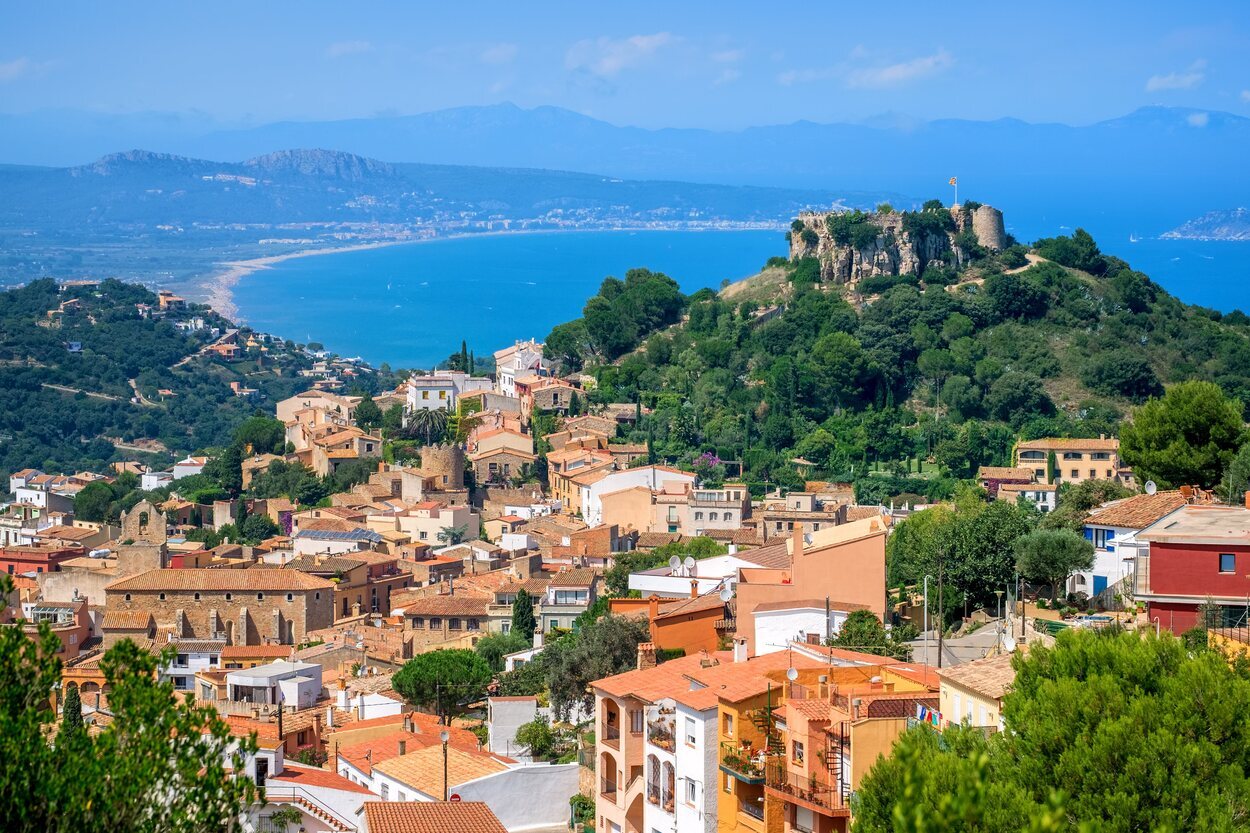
(726,593)
(674,562)
(792,674)
(689,562)
(1009,644)
(1151,488)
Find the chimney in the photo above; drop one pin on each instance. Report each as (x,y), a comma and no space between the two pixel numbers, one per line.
(740,649)
(694,588)
(653,607)
(329,717)
(360,706)
(403,747)
(796,538)
(646,655)
(408,722)
(538,638)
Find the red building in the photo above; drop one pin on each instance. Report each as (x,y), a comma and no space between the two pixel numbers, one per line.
(1196,555)
(37,558)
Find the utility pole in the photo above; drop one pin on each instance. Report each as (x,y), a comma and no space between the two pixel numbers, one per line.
(941,617)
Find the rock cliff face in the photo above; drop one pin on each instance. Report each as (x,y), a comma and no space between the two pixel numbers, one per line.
(900,246)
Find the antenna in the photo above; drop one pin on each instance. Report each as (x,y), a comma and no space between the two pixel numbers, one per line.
(1151,488)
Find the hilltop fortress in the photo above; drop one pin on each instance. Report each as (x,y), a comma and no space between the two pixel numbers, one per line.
(853,245)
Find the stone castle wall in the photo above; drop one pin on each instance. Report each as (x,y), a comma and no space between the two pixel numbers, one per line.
(895,251)
(246,619)
(445,462)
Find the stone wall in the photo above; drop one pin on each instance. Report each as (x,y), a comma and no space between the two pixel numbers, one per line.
(445,463)
(243,618)
(895,251)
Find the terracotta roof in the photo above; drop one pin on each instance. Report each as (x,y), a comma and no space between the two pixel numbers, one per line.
(431,817)
(809,603)
(709,601)
(1005,473)
(220,580)
(446,606)
(367,754)
(423,770)
(733,681)
(126,620)
(773,556)
(582,577)
(657,539)
(1074,443)
(1137,512)
(309,777)
(990,677)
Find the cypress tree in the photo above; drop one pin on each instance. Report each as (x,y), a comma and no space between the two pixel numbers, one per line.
(523,615)
(71,717)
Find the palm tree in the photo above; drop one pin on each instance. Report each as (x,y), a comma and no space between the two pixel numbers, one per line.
(427,424)
(452,534)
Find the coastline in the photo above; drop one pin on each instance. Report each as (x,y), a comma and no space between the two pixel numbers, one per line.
(220,284)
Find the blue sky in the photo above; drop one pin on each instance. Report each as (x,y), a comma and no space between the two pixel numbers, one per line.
(718,65)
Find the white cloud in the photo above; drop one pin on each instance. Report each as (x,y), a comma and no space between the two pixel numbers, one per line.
(892,75)
(1245,96)
(1198,119)
(1188,79)
(342,49)
(14,69)
(727,75)
(727,56)
(500,53)
(607,57)
(807,76)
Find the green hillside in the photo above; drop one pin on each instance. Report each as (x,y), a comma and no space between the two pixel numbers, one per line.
(907,384)
(66,387)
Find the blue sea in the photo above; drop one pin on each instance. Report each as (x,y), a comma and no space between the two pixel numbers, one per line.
(411,305)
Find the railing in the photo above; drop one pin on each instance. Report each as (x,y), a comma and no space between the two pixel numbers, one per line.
(611,735)
(744,764)
(293,794)
(804,787)
(607,788)
(653,793)
(660,734)
(752,809)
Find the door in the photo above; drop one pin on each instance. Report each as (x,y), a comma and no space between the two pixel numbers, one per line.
(1100,584)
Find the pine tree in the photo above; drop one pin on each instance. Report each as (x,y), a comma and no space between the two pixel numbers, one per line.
(71,718)
(523,615)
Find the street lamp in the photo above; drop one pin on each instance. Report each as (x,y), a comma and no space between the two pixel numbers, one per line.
(444,736)
(926,618)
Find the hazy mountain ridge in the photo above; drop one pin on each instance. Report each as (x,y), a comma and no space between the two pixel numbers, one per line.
(1225,224)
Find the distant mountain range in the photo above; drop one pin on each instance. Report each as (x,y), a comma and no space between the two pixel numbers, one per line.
(1231,224)
(1148,170)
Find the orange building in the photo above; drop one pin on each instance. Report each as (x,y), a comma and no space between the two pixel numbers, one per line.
(844,564)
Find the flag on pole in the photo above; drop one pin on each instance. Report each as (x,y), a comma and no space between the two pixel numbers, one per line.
(953,181)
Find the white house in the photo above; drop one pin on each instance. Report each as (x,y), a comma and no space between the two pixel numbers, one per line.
(441,390)
(191,657)
(648,477)
(504,716)
(777,624)
(708,574)
(334,542)
(150,481)
(524,358)
(1112,528)
(189,466)
(295,684)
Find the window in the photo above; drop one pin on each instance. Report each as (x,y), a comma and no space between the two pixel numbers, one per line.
(1076,473)
(728,722)
(301,738)
(197,597)
(260,597)
(1228,562)
(474,625)
(797,751)
(711,516)
(290,597)
(1102,537)
(506,627)
(442,394)
(399,796)
(318,593)
(436,622)
(453,623)
(425,394)
(692,792)
(635,721)
(729,783)
(11,570)
(1032,455)
(386,791)
(180,661)
(690,736)
(1100,455)
(1072,455)
(418,621)
(424,535)
(229,596)
(698,516)
(161,597)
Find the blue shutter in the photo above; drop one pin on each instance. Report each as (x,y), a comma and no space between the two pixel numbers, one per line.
(1089,534)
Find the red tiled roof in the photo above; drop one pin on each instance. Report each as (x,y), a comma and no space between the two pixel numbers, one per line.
(211,580)
(431,817)
(309,777)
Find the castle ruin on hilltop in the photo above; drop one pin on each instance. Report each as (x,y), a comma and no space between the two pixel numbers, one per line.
(855,245)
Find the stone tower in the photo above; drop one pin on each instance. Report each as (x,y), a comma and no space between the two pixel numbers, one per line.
(444,463)
(144,540)
(987,225)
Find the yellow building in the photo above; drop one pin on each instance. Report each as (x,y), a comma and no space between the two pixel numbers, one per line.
(1076,460)
(972,692)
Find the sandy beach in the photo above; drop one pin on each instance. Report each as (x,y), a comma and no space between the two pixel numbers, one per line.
(220,285)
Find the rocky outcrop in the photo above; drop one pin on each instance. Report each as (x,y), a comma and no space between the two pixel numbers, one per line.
(900,247)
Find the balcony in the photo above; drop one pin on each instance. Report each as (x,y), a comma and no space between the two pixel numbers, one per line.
(660,735)
(743,763)
(804,790)
(754,809)
(608,789)
(659,797)
(611,735)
